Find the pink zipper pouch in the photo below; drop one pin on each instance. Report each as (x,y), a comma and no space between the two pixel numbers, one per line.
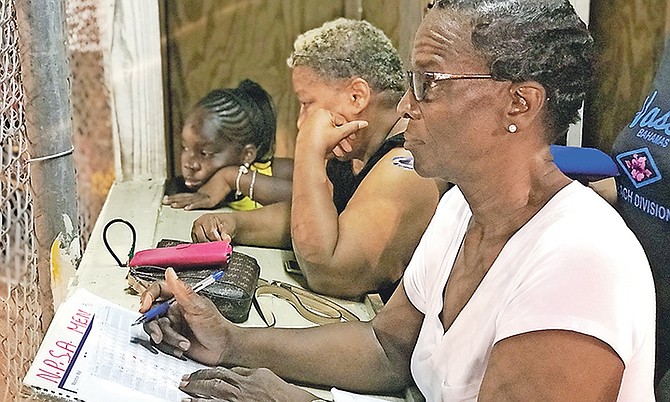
(185,256)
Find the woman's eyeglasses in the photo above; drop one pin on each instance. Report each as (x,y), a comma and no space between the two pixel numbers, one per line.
(420,82)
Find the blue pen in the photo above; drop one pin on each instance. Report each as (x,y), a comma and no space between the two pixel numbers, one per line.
(162,308)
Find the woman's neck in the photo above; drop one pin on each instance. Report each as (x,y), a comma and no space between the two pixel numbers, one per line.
(503,202)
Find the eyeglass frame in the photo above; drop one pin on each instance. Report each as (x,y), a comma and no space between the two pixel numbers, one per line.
(434,77)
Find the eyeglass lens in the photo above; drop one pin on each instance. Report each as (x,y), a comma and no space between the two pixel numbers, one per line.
(418,84)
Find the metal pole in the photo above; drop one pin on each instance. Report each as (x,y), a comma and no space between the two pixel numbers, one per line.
(45,74)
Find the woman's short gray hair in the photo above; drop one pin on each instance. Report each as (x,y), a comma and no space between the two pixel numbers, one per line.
(539,40)
(345,48)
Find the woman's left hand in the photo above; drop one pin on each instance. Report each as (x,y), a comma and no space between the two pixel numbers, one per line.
(240,384)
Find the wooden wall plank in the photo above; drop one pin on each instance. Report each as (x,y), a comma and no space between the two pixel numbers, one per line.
(132,54)
(353,9)
(399,19)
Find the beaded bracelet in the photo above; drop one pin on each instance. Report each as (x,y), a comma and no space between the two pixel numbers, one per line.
(244,169)
(251,185)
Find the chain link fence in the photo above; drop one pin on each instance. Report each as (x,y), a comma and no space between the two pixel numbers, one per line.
(20,311)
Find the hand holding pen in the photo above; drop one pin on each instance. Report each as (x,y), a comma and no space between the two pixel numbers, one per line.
(195,329)
(162,308)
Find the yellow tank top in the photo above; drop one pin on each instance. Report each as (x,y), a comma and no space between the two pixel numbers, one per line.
(246,203)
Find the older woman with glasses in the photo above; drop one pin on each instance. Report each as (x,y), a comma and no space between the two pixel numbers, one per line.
(514,293)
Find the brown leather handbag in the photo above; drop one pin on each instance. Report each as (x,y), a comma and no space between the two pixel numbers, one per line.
(232,294)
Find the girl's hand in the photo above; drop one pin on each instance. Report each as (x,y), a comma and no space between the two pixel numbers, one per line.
(188,201)
(211,194)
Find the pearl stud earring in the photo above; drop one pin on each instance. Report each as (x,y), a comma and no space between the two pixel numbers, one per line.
(512,128)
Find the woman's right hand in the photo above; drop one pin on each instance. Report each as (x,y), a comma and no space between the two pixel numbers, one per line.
(325,132)
(193,326)
(214,227)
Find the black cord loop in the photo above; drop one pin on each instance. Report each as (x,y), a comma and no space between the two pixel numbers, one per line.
(131,253)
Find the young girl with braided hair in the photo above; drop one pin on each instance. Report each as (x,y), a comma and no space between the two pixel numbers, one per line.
(227,157)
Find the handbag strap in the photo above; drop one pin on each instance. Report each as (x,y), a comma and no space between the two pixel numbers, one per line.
(131,252)
(315,308)
(311,306)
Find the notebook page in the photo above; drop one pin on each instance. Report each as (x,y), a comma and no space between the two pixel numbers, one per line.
(86,355)
(126,370)
(59,362)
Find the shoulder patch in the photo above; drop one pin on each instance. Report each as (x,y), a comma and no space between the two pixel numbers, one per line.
(405,162)
(639,167)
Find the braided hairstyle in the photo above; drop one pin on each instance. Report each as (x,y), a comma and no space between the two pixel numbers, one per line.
(244,115)
(533,40)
